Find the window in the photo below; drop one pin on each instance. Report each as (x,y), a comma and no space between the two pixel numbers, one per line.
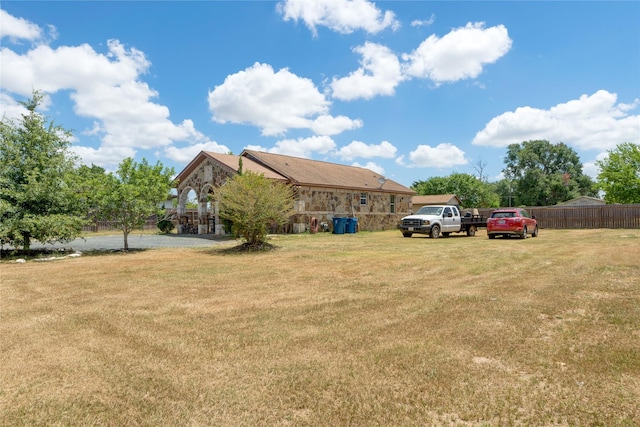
(363,198)
(392,203)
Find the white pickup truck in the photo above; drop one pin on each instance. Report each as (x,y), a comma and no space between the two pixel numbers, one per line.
(441,219)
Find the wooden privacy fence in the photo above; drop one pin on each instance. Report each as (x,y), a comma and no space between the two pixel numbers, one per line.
(150,224)
(602,216)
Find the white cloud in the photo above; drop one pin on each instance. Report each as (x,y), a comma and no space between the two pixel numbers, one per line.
(275,102)
(343,16)
(379,74)
(424,22)
(460,54)
(18,28)
(366,151)
(105,87)
(103,156)
(330,125)
(371,166)
(591,168)
(10,108)
(186,154)
(444,155)
(590,122)
(301,147)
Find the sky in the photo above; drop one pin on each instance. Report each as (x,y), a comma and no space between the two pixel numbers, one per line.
(408,89)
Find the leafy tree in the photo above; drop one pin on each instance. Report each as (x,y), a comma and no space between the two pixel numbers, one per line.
(545,174)
(252,202)
(506,190)
(89,184)
(619,175)
(471,191)
(132,194)
(38,200)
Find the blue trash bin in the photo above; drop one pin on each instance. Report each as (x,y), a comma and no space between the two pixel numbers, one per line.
(352,225)
(339,225)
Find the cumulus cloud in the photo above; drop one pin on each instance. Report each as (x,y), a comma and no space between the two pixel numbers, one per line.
(460,54)
(444,155)
(103,156)
(301,147)
(343,16)
(371,166)
(188,153)
(366,151)
(105,87)
(330,125)
(18,28)
(595,122)
(379,74)
(275,102)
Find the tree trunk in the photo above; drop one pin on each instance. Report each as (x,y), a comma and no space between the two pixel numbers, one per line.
(126,241)
(26,240)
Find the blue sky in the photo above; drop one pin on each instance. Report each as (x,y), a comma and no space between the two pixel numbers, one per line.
(409,89)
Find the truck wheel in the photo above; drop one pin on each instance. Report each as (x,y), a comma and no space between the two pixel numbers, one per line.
(471,231)
(407,234)
(435,232)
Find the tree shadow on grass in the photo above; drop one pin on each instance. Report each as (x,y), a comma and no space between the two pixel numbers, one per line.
(50,254)
(244,248)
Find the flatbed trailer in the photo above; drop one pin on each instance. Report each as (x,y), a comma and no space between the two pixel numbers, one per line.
(471,223)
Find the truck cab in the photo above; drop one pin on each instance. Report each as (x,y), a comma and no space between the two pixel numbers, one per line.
(432,221)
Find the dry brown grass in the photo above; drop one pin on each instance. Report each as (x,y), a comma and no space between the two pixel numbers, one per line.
(365,329)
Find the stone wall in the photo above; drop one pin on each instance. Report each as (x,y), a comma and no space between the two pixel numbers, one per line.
(326,203)
(203,181)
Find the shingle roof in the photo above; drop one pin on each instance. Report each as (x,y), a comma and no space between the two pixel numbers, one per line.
(324,174)
(231,162)
(435,199)
(300,171)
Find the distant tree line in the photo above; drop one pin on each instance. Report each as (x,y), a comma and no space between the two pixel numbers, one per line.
(539,173)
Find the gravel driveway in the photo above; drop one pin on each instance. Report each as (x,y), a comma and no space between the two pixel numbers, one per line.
(136,241)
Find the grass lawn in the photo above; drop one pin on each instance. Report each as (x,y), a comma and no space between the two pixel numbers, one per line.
(366,329)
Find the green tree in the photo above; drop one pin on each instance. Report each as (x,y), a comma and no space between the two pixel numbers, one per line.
(619,175)
(133,194)
(252,202)
(38,200)
(471,191)
(545,174)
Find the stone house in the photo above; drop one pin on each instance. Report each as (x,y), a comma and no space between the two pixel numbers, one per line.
(322,190)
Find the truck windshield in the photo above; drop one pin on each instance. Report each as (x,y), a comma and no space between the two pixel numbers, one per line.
(429,210)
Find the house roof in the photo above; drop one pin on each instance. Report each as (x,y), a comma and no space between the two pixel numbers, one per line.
(436,199)
(583,200)
(231,162)
(324,174)
(300,171)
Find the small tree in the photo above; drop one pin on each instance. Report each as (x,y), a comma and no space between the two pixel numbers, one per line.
(619,174)
(133,194)
(252,202)
(38,200)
